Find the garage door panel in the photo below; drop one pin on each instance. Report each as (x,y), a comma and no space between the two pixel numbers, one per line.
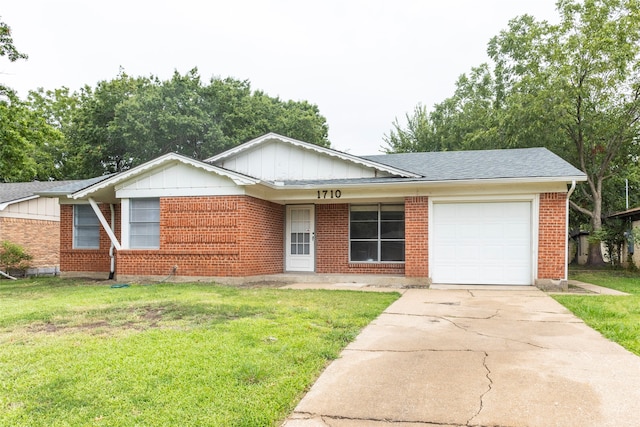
(482,243)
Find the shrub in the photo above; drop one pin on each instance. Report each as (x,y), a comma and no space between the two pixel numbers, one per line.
(13,257)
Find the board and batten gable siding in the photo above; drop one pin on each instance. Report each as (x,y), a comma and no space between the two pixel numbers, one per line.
(40,208)
(177,180)
(279,161)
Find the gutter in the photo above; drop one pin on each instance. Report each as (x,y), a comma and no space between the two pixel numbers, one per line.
(566,252)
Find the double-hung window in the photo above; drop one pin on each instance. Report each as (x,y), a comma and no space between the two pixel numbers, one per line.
(86,228)
(376,233)
(144,224)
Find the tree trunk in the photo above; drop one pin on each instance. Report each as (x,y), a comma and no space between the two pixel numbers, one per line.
(595,255)
(595,249)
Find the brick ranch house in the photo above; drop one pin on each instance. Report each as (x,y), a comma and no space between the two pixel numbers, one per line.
(277,205)
(33,222)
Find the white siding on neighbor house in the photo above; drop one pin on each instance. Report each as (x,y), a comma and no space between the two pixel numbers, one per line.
(41,208)
(279,161)
(178,180)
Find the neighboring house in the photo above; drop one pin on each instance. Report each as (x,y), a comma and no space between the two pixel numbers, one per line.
(632,216)
(32,222)
(278,205)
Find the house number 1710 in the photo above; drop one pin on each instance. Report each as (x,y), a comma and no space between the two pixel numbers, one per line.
(329,194)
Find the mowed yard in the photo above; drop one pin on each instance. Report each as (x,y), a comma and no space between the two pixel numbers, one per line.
(78,353)
(615,317)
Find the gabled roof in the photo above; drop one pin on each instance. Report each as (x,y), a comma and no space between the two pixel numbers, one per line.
(158,162)
(16,192)
(312,147)
(483,164)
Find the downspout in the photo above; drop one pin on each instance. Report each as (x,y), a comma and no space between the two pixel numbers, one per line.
(112,270)
(566,252)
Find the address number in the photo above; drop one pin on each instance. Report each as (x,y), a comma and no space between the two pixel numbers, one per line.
(329,194)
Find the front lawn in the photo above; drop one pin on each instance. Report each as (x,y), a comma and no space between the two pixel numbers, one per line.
(76,353)
(615,317)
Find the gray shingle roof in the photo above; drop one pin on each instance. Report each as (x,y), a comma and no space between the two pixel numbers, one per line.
(483,164)
(14,191)
(70,187)
(21,190)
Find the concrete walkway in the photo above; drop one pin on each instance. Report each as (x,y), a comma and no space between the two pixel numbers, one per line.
(476,357)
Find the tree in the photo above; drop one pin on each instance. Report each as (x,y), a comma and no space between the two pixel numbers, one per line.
(573,87)
(8,49)
(127,121)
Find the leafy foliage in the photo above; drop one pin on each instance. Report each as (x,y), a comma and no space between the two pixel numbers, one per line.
(126,121)
(13,256)
(7,47)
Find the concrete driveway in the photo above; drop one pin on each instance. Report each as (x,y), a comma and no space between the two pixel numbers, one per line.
(476,357)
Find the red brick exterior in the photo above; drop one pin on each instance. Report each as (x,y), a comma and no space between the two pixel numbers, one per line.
(416,210)
(552,236)
(223,236)
(237,236)
(332,245)
(85,260)
(39,238)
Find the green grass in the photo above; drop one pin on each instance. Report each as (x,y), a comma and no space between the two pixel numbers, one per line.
(74,353)
(615,317)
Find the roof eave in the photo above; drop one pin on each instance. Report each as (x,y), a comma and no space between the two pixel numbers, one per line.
(4,205)
(422,183)
(166,159)
(313,147)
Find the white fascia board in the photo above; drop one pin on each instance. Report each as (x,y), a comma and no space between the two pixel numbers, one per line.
(4,205)
(237,178)
(422,183)
(313,147)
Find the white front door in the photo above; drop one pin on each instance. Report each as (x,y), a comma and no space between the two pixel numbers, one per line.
(300,239)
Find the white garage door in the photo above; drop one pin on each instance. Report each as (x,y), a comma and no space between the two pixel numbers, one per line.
(481,243)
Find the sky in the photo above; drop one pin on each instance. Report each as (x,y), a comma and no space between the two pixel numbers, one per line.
(364,63)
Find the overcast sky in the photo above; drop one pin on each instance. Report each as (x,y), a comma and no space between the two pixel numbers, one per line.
(363,62)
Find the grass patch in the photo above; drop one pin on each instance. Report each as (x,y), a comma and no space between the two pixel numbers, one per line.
(75,353)
(615,317)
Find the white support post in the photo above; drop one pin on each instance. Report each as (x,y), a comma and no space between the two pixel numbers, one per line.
(104,223)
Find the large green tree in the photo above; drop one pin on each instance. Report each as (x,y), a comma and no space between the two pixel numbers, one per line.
(127,121)
(573,87)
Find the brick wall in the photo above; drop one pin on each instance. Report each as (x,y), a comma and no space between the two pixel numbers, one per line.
(85,260)
(39,238)
(332,245)
(212,236)
(417,236)
(552,236)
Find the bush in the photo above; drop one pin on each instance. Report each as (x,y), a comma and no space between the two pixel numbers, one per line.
(13,257)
